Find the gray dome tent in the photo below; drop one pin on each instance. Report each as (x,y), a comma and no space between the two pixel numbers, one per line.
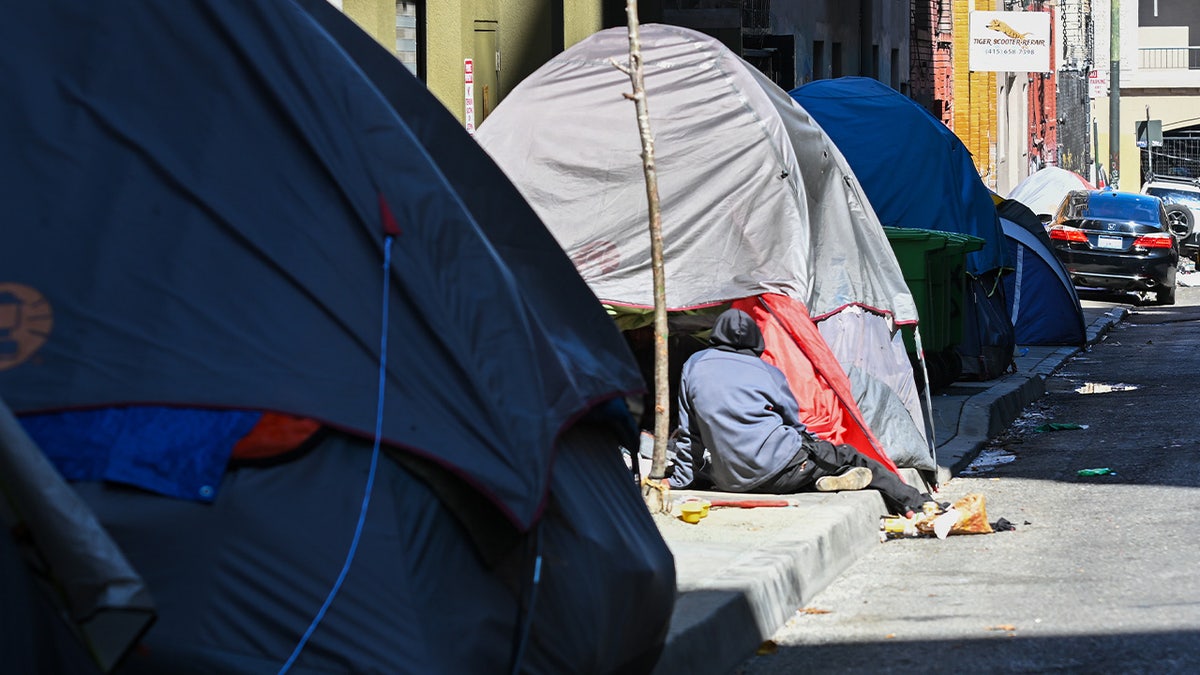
(756,200)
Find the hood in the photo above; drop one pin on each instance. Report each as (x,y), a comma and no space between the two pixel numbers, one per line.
(735,331)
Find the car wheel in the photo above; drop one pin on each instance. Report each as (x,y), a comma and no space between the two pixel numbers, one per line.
(1179,220)
(1165,297)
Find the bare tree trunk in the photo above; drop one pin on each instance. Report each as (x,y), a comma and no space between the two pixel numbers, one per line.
(653,489)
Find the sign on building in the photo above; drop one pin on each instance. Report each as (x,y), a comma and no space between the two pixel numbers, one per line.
(1149,133)
(1097,84)
(1009,42)
(469,94)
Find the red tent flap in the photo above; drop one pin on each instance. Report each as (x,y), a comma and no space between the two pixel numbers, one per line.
(820,385)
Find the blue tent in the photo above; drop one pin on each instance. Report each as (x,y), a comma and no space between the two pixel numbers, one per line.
(915,171)
(918,174)
(222,213)
(1042,302)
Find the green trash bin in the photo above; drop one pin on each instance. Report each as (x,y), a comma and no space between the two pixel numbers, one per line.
(913,248)
(949,282)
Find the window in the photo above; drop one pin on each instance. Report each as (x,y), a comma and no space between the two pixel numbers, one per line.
(835,60)
(410,35)
(818,59)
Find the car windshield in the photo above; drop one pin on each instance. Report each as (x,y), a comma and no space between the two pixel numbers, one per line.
(1172,196)
(1101,207)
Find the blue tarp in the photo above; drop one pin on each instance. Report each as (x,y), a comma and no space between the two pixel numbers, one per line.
(176,452)
(915,171)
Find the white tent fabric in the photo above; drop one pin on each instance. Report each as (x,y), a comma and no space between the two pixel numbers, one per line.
(755,197)
(1043,190)
(875,357)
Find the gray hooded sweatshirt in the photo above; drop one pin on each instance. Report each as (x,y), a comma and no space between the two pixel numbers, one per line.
(735,408)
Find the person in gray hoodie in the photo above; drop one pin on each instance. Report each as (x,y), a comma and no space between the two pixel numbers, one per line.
(739,428)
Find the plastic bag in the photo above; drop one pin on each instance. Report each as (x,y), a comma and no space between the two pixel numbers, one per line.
(972,517)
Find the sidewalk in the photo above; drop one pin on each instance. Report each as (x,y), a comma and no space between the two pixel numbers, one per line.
(741,573)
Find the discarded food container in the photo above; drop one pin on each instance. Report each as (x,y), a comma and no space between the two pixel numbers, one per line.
(692,512)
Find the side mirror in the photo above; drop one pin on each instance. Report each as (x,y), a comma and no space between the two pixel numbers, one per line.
(1045,218)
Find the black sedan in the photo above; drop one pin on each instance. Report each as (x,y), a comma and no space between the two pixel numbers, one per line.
(1117,241)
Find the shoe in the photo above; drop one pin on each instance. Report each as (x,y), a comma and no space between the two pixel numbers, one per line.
(854,478)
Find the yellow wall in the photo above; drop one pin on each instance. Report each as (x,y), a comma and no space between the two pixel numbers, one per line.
(448,40)
(975,96)
(523,29)
(580,20)
(376,17)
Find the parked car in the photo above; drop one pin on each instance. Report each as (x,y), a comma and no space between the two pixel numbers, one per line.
(1181,195)
(1118,241)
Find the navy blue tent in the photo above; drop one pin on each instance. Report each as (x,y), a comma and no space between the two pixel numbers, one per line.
(217,212)
(915,171)
(1042,302)
(918,174)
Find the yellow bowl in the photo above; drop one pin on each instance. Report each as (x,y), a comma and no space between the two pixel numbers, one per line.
(691,512)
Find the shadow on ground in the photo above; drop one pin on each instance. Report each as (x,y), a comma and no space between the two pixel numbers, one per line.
(1001,651)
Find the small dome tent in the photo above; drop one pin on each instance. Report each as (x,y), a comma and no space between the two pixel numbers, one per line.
(1042,301)
(1043,190)
(759,210)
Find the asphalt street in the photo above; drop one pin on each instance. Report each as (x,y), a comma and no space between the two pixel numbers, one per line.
(1099,574)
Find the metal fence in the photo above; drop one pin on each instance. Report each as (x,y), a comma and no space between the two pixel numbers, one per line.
(1169,58)
(1179,155)
(1074,134)
(756,14)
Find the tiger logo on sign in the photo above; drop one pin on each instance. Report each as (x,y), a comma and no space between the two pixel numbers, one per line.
(1001,27)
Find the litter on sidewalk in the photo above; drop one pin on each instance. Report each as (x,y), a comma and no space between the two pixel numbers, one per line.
(968,515)
(694,509)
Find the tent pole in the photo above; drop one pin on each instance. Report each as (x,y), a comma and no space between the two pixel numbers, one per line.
(928,398)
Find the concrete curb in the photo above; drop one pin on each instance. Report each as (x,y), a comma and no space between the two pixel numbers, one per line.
(984,415)
(737,583)
(757,591)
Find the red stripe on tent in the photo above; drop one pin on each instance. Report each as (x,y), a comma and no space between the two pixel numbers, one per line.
(817,379)
(390,227)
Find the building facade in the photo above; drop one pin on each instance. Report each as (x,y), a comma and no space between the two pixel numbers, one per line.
(471,53)
(1158,50)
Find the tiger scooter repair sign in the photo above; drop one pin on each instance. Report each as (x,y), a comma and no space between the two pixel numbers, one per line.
(1009,42)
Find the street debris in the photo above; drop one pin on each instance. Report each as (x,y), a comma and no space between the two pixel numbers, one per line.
(693,510)
(767,648)
(753,503)
(988,459)
(1098,388)
(1060,426)
(1188,280)
(968,515)
(1102,471)
(1002,525)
